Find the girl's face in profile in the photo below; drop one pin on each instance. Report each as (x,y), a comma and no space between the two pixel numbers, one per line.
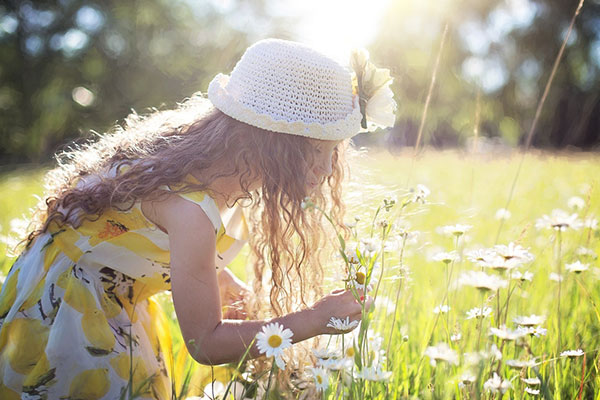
(322,165)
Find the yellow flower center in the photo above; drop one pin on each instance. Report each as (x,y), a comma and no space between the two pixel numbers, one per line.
(360,278)
(319,379)
(350,352)
(275,341)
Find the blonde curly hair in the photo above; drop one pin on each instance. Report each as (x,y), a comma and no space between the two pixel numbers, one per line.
(164,146)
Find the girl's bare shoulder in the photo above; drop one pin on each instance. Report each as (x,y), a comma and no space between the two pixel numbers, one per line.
(172,212)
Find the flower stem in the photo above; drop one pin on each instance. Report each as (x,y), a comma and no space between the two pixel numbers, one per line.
(498,315)
(384,232)
(481,317)
(269,381)
(559,270)
(397,298)
(374,219)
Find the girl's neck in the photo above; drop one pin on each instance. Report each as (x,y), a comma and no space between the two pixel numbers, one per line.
(223,190)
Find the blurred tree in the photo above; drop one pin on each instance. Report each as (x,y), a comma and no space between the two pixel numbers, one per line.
(68,66)
(503,50)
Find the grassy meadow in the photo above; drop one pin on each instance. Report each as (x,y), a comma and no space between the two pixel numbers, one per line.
(448,303)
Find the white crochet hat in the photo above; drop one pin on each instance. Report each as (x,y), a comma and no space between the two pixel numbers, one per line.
(288,87)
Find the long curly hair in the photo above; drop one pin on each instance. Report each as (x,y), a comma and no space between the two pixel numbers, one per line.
(164,146)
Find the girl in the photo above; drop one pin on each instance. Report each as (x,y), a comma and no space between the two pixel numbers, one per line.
(157,205)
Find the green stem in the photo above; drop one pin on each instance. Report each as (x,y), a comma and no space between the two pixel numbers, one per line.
(385,231)
(269,381)
(397,298)
(480,321)
(374,219)
(559,269)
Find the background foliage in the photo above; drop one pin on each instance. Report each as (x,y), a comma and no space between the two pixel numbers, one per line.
(69,66)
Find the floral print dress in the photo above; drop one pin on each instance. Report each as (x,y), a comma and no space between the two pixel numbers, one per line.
(77,317)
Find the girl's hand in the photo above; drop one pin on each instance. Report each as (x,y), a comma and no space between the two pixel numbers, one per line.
(233,293)
(340,304)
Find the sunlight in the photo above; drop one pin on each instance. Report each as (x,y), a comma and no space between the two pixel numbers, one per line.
(335,27)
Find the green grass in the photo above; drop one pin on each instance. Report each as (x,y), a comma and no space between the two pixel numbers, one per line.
(465,189)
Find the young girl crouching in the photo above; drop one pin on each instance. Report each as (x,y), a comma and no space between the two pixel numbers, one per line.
(161,204)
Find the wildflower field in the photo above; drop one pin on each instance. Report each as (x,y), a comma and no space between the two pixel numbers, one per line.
(484,271)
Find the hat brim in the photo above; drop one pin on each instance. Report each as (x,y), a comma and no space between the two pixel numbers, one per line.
(228,104)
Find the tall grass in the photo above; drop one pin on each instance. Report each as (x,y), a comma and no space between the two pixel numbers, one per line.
(465,189)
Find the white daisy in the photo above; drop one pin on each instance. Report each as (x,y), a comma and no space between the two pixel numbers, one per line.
(503,214)
(555,277)
(518,364)
(337,364)
(475,358)
(358,280)
(374,341)
(455,230)
(590,223)
(380,108)
(576,203)
(532,381)
(351,252)
(559,220)
(420,194)
(482,281)
(456,337)
(216,390)
(342,324)
(321,378)
(532,391)
(494,352)
(446,257)
(273,339)
(572,353)
(501,264)
(536,331)
(478,312)
(479,255)
(511,251)
(213,390)
(349,352)
(441,309)
(441,352)
(496,384)
(576,267)
(467,378)
(525,276)
(506,334)
(325,353)
(370,246)
(529,320)
(373,374)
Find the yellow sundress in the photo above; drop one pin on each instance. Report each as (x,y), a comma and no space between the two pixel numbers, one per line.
(77,320)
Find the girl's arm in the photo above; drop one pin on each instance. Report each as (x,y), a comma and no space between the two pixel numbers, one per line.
(209,338)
